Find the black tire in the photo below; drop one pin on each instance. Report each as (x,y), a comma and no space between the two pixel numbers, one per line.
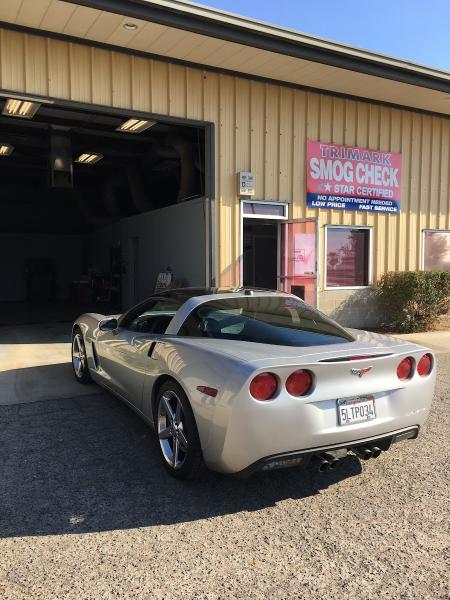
(79,358)
(190,465)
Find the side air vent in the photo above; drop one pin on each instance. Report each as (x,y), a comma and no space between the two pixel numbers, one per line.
(339,359)
(95,357)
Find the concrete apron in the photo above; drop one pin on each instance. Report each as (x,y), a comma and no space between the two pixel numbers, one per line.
(438,341)
(35,364)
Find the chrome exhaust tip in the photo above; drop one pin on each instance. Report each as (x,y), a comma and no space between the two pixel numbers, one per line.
(363,453)
(376,452)
(324,466)
(320,462)
(330,459)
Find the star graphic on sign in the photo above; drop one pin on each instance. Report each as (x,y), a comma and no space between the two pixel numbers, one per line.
(327,187)
(319,186)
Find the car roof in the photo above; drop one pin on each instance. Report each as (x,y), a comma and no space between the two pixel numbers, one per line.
(189,297)
(186,293)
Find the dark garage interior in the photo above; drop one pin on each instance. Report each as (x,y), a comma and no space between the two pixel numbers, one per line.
(94,206)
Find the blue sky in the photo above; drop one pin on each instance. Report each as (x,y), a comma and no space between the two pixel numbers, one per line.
(417,30)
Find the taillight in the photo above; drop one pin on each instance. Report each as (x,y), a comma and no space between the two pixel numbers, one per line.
(425,365)
(264,386)
(405,369)
(299,383)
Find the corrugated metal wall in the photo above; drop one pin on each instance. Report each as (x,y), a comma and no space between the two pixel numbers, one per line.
(259,127)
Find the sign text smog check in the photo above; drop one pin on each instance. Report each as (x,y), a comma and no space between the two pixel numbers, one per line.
(353,178)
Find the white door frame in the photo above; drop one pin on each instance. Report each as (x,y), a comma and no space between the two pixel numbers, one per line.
(266,217)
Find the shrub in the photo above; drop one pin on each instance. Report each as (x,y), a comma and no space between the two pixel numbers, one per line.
(412,300)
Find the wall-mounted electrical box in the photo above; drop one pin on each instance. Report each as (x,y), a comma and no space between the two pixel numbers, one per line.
(247,183)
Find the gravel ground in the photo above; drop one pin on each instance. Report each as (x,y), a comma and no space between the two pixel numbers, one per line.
(87,512)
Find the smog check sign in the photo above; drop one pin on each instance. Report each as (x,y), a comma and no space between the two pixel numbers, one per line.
(353,178)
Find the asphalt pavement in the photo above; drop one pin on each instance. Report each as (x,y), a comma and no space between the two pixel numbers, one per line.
(87,512)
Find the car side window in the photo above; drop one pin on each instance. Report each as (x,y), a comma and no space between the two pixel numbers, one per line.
(154,317)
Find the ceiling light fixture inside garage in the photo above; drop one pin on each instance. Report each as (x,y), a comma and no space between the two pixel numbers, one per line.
(24,109)
(130,26)
(6,149)
(135,126)
(89,158)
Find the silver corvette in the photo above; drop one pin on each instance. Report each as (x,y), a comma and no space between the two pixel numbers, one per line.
(245,380)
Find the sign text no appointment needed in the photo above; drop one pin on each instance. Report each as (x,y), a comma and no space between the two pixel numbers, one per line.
(353,178)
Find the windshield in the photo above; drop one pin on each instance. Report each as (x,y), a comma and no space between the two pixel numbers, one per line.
(277,320)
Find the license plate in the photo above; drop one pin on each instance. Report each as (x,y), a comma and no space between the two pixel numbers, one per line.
(355,410)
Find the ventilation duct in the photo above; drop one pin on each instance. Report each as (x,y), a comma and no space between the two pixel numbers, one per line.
(188,172)
(61,166)
(141,199)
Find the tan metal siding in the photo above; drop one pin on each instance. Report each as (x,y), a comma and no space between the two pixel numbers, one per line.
(102,80)
(58,69)
(227,209)
(259,127)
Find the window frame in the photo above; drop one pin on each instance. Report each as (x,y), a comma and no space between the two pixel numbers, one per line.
(283,217)
(369,228)
(424,232)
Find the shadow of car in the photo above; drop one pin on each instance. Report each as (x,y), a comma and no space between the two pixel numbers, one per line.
(90,464)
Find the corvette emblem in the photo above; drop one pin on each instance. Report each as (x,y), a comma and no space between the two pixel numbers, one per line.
(360,372)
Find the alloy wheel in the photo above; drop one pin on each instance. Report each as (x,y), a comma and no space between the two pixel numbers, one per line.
(171,430)
(78,355)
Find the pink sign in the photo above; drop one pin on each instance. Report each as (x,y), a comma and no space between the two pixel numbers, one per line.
(353,178)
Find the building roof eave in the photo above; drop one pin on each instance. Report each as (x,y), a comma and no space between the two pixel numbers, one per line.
(241,30)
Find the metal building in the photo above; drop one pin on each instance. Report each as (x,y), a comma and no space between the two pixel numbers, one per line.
(223,193)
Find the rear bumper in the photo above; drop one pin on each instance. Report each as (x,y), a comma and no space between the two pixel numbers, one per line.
(303,457)
(245,431)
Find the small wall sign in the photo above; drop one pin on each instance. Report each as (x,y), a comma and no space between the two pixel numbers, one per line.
(247,183)
(164,280)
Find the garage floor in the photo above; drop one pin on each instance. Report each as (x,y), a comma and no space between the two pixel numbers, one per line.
(35,364)
(32,313)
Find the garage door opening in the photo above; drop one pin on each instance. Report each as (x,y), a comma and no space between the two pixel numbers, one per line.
(93,206)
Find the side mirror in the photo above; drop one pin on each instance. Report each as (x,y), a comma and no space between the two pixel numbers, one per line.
(108,324)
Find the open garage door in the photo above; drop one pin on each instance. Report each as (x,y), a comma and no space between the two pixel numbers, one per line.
(93,206)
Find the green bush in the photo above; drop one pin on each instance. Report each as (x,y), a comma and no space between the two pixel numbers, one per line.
(412,300)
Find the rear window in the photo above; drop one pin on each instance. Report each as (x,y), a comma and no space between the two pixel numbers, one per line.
(277,320)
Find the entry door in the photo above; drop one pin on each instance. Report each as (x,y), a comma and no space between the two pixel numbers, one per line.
(298,272)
